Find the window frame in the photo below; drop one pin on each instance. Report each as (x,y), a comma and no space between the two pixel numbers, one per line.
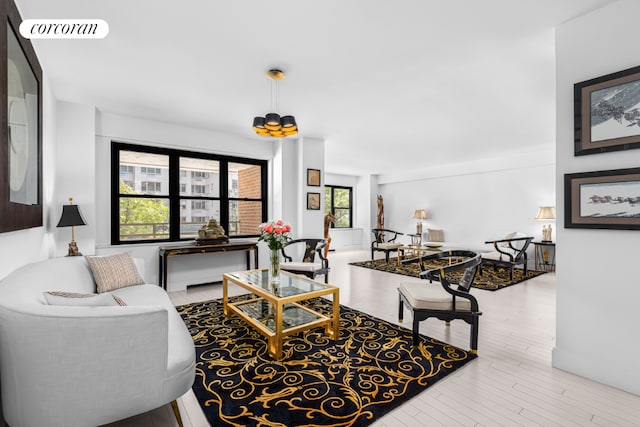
(332,203)
(174,196)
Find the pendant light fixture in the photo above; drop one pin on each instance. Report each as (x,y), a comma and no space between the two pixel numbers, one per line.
(272,124)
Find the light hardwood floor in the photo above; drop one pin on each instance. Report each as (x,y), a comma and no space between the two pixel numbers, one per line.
(511,383)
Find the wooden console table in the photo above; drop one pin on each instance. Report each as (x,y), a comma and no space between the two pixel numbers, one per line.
(169,251)
(545,256)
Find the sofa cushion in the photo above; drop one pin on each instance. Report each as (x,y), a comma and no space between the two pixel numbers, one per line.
(114,271)
(79,299)
(180,354)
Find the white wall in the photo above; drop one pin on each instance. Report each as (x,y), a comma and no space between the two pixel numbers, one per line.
(310,156)
(477,202)
(597,282)
(75,174)
(21,247)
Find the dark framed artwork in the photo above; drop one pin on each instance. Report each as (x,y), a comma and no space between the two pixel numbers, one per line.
(607,113)
(313,177)
(21,127)
(603,199)
(313,201)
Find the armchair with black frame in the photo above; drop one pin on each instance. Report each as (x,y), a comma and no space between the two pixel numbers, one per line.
(385,241)
(509,252)
(444,300)
(308,266)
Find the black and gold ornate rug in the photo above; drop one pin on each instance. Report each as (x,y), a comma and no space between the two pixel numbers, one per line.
(351,381)
(489,280)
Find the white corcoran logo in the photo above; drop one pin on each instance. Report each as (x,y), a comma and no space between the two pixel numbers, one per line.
(64,29)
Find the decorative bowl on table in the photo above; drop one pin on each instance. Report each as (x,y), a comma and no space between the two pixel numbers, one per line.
(433,244)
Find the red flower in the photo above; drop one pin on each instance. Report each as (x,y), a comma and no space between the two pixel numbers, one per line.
(287,228)
(278,230)
(269,228)
(279,222)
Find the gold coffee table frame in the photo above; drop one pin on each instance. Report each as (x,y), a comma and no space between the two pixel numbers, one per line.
(417,250)
(275,312)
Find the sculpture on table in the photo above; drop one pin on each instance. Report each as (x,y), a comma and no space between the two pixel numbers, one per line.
(211,233)
(546,233)
(380,222)
(328,220)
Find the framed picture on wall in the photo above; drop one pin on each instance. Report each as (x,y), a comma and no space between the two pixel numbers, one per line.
(313,201)
(313,177)
(21,130)
(607,113)
(603,199)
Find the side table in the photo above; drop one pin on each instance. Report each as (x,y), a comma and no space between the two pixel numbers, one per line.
(545,255)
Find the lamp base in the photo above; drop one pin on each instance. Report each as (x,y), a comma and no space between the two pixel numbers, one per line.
(419,229)
(73,249)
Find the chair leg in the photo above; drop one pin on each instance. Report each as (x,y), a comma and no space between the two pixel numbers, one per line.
(400,308)
(372,254)
(386,256)
(416,326)
(474,335)
(326,277)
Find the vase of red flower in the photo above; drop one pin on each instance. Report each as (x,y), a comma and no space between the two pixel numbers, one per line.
(276,235)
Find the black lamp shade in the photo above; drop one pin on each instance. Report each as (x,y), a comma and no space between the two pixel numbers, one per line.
(273,119)
(70,216)
(258,123)
(288,121)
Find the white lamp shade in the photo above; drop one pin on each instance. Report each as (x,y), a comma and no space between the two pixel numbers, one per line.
(546,212)
(420,214)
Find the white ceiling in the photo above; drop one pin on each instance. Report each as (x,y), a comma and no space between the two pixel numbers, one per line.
(388,85)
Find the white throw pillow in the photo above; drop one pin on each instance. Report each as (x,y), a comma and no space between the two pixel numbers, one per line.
(114,271)
(77,299)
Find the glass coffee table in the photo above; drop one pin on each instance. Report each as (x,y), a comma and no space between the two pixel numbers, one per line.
(274,310)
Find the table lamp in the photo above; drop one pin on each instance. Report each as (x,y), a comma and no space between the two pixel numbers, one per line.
(546,213)
(71,217)
(419,214)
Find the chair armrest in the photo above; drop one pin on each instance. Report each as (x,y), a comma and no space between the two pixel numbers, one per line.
(514,239)
(319,251)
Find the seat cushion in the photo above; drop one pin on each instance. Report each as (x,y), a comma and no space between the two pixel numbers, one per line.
(494,256)
(387,246)
(424,295)
(301,266)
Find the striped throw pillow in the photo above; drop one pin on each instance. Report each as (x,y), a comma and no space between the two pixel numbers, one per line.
(77,299)
(114,271)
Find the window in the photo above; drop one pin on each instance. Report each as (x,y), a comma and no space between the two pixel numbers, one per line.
(150,171)
(339,201)
(125,169)
(199,175)
(198,189)
(229,189)
(150,187)
(198,204)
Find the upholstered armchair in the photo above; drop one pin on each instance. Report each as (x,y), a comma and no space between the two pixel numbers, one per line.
(443,300)
(509,252)
(384,241)
(308,265)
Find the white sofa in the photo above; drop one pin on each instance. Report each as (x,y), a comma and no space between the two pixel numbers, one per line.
(87,366)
